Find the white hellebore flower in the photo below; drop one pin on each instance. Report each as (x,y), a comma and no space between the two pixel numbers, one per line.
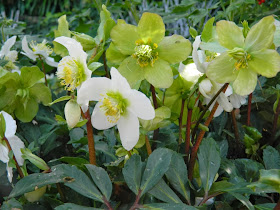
(9,55)
(118,105)
(189,73)
(72,69)
(14,141)
(38,50)
(209,88)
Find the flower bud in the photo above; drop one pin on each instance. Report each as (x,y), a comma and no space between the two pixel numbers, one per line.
(86,41)
(36,194)
(72,113)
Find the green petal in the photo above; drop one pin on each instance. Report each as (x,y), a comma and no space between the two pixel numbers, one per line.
(174,49)
(151,26)
(124,36)
(245,82)
(222,69)
(265,62)
(113,55)
(28,113)
(131,71)
(229,34)
(30,75)
(260,35)
(160,74)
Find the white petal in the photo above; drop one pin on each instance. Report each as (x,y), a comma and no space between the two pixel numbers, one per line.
(99,120)
(119,83)
(16,145)
(197,55)
(4,153)
(229,91)
(237,100)
(7,46)
(27,51)
(190,73)
(93,89)
(128,127)
(12,55)
(74,47)
(223,101)
(9,173)
(218,111)
(140,105)
(205,87)
(50,61)
(11,125)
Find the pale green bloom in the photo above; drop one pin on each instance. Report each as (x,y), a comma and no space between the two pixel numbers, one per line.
(8,54)
(245,57)
(118,104)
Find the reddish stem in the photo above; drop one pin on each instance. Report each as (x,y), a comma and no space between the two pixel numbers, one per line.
(199,140)
(148,145)
(180,121)
(17,165)
(91,148)
(188,134)
(107,203)
(277,207)
(135,205)
(249,109)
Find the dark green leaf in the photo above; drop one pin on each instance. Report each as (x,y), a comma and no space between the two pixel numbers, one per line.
(165,206)
(271,158)
(265,206)
(164,193)
(42,93)
(243,200)
(132,173)
(72,206)
(101,179)
(209,162)
(157,165)
(177,175)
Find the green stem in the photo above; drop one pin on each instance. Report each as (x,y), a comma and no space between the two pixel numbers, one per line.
(249,109)
(275,120)
(180,121)
(44,70)
(188,134)
(156,132)
(235,128)
(148,145)
(105,65)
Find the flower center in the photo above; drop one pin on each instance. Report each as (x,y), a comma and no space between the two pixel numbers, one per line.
(114,105)
(145,53)
(41,47)
(210,56)
(241,57)
(71,72)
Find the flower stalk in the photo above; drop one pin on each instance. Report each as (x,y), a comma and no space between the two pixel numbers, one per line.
(156,132)
(235,128)
(180,121)
(148,145)
(91,147)
(44,70)
(188,134)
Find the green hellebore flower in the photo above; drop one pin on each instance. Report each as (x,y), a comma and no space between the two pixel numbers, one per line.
(245,57)
(144,53)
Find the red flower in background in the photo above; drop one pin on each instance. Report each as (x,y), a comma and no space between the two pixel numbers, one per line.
(261,1)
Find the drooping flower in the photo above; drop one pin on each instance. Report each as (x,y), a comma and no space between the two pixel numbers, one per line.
(118,104)
(189,73)
(72,69)
(38,50)
(15,143)
(209,88)
(8,54)
(245,57)
(142,52)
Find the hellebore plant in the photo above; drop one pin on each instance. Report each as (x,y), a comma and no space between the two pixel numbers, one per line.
(10,142)
(142,52)
(38,50)
(246,57)
(7,54)
(118,104)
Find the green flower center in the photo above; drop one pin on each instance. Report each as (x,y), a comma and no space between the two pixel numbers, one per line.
(71,72)
(41,47)
(210,56)
(241,57)
(145,53)
(114,105)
